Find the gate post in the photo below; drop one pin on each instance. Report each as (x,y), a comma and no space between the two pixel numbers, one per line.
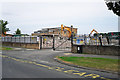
(53,42)
(40,42)
(71,38)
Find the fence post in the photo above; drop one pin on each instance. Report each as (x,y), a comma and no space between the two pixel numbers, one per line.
(71,38)
(4,39)
(19,39)
(24,38)
(107,39)
(30,39)
(85,39)
(15,38)
(53,42)
(119,38)
(40,42)
(100,40)
(11,39)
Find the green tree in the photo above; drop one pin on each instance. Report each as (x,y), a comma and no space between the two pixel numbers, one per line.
(3,26)
(114,6)
(18,31)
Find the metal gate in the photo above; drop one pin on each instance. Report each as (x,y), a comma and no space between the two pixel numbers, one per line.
(55,43)
(62,44)
(46,42)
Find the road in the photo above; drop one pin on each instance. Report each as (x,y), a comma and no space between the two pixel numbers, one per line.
(26,63)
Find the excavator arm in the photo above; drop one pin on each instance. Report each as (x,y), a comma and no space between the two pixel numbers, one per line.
(92,32)
(65,28)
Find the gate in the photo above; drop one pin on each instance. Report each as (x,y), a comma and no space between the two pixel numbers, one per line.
(62,44)
(55,42)
(46,41)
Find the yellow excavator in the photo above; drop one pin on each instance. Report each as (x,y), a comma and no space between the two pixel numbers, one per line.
(65,28)
(92,32)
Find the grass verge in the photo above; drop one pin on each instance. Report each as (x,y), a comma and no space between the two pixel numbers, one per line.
(92,62)
(5,48)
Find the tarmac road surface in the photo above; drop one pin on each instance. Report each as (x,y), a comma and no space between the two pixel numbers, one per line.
(41,64)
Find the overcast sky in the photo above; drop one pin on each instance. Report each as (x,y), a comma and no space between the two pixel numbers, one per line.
(32,15)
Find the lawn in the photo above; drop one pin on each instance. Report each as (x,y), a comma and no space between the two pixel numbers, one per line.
(5,48)
(98,63)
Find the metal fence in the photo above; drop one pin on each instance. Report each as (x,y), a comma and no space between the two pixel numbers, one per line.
(83,40)
(24,39)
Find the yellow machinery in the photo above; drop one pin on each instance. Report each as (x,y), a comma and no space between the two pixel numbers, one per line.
(91,37)
(92,32)
(65,28)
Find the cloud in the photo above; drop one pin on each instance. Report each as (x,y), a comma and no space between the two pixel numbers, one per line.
(33,16)
(56,1)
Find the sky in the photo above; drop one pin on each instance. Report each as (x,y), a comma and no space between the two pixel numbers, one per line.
(33,15)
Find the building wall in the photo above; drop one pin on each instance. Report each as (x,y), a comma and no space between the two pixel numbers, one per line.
(98,50)
(57,32)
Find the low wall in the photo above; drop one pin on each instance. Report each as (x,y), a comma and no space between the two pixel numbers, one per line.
(23,45)
(93,49)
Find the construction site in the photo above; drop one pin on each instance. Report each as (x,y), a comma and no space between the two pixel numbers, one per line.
(64,38)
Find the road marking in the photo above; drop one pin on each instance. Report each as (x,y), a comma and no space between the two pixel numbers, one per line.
(80,74)
(75,72)
(44,61)
(67,53)
(17,48)
(59,69)
(30,49)
(70,71)
(92,75)
(105,78)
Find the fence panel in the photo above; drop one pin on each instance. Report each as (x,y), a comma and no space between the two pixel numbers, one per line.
(81,40)
(25,39)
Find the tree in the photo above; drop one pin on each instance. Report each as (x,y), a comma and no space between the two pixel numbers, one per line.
(3,26)
(18,31)
(114,6)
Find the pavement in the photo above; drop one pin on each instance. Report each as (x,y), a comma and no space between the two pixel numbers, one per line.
(31,63)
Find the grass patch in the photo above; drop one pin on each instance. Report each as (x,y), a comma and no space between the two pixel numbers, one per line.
(98,63)
(5,48)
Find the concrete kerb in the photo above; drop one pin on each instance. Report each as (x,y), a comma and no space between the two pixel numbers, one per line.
(72,65)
